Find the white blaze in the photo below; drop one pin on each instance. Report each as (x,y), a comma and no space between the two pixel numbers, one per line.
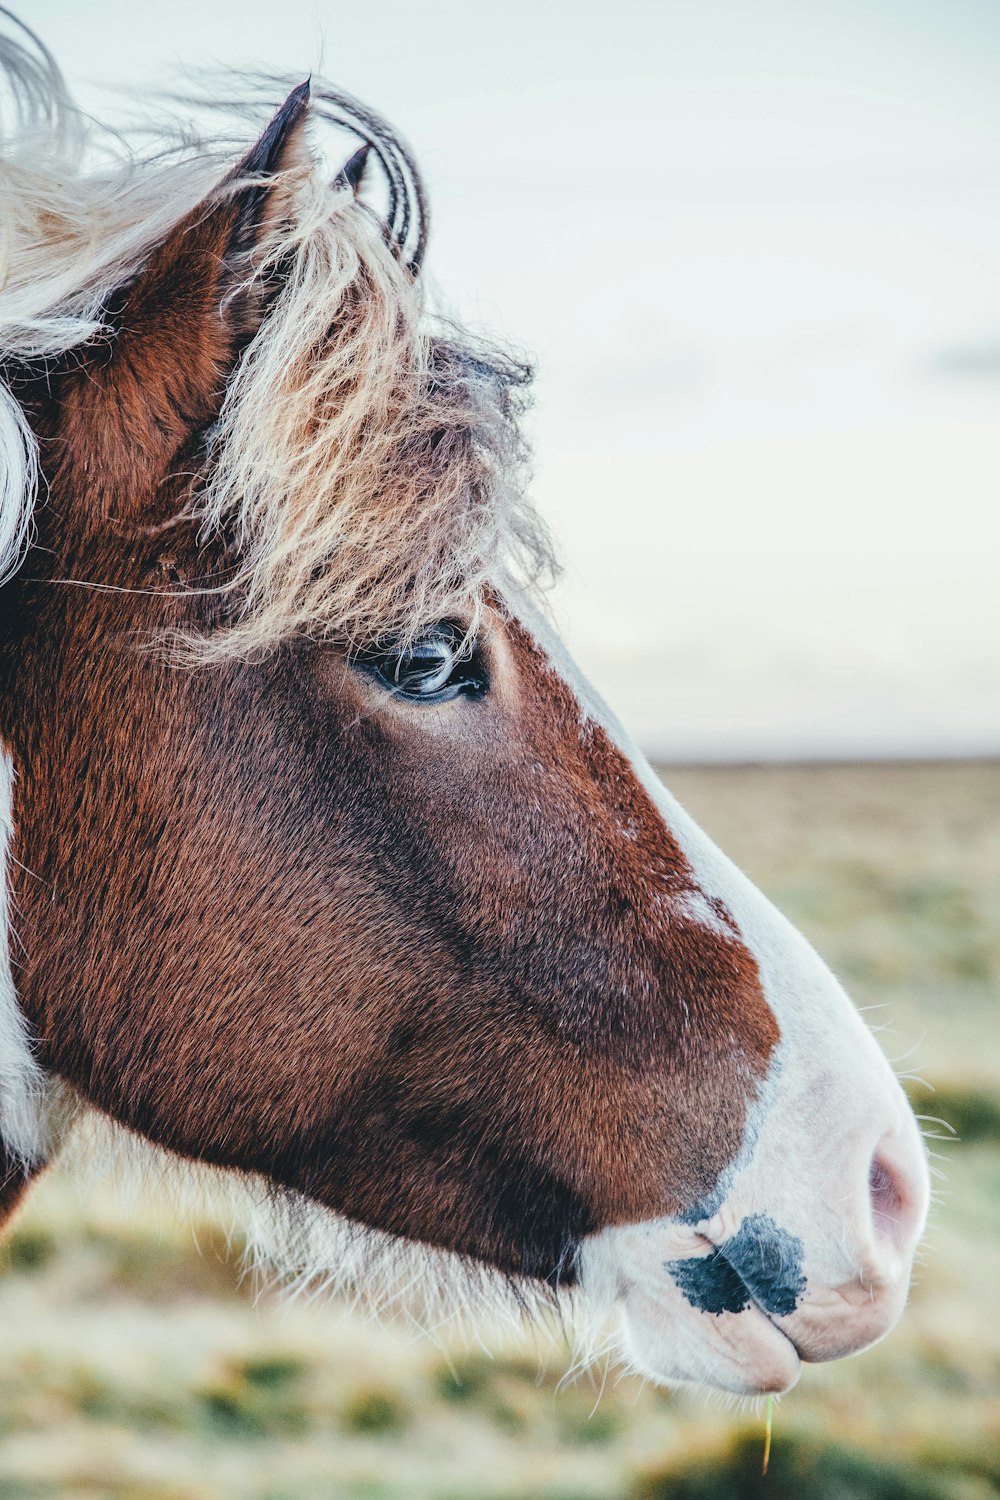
(829,1100)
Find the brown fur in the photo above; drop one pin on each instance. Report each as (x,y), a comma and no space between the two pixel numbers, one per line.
(429,966)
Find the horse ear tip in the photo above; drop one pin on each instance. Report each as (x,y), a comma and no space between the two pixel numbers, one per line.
(294,107)
(266,154)
(351,174)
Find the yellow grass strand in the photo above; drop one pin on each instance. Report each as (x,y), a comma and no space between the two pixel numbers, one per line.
(768,1425)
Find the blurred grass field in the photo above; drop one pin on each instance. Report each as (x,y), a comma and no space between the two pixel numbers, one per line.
(135,1363)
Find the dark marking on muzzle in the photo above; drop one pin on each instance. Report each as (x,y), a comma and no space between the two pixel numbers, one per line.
(760,1263)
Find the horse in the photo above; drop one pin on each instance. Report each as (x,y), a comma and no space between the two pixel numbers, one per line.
(325,873)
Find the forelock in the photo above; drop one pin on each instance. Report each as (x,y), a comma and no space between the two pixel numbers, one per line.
(367,471)
(368,464)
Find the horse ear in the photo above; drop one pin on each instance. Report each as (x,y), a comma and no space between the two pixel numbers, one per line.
(352,173)
(281,147)
(182,323)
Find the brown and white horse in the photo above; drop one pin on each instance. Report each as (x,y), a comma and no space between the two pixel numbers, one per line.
(321,864)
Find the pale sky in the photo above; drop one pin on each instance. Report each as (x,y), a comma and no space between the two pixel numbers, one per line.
(755,252)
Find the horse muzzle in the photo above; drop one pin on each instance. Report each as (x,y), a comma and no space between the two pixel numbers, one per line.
(816,1269)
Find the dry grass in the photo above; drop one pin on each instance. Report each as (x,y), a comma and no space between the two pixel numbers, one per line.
(893,871)
(136,1365)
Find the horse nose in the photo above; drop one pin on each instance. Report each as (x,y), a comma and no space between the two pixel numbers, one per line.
(886,1206)
(885,1220)
(897,1195)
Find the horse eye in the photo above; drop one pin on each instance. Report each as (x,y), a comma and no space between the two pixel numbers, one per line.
(437,666)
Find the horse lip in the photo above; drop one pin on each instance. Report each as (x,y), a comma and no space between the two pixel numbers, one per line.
(657,1289)
(741,1355)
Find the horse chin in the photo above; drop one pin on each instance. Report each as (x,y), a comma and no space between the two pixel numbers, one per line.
(670,1342)
(664,1334)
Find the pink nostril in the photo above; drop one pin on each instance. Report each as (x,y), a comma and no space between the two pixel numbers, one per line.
(895,1208)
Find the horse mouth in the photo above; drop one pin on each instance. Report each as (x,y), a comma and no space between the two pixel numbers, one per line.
(744,1353)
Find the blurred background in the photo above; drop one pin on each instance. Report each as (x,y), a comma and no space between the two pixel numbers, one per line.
(755,254)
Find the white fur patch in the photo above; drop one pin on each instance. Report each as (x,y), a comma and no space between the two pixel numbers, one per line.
(697,908)
(23,1086)
(300,1248)
(18,482)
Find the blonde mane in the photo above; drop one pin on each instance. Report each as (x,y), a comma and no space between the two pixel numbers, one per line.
(367,467)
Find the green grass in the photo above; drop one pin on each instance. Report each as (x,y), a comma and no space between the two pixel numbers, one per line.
(807,1466)
(136,1363)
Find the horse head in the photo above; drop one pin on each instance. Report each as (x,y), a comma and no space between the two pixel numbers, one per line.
(323,866)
